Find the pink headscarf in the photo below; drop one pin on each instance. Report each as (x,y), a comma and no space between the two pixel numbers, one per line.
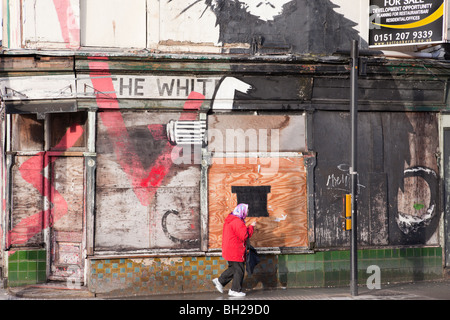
(241,211)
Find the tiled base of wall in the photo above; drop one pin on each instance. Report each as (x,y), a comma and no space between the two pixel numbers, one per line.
(26,267)
(154,275)
(332,268)
(194,274)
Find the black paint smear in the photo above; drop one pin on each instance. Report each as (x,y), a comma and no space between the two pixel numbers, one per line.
(169,235)
(255,197)
(305,26)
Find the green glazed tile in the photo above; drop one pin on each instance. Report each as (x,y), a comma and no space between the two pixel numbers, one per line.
(42,255)
(41,266)
(32,265)
(14,256)
(335,255)
(23,265)
(32,255)
(41,276)
(344,255)
(22,255)
(13,266)
(327,255)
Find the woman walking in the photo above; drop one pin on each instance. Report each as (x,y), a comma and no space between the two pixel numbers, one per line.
(234,237)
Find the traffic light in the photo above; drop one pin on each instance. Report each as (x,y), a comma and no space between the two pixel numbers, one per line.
(347,212)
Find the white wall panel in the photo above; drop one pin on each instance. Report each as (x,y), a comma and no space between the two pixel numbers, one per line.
(113,23)
(51,23)
(188,21)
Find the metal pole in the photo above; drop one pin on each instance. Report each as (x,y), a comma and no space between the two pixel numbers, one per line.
(354,169)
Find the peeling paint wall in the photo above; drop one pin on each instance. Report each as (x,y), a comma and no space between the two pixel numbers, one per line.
(50,24)
(207,26)
(149,180)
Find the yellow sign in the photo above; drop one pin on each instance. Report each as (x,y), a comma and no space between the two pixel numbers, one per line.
(436,15)
(406,22)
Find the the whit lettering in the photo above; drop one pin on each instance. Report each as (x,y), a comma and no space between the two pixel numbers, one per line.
(156,87)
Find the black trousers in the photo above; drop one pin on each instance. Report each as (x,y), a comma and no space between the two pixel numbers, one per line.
(235,272)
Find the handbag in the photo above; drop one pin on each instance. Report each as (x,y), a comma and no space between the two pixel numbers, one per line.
(251,257)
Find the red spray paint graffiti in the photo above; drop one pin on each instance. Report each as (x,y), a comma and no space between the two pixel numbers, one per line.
(32,172)
(68,23)
(144,181)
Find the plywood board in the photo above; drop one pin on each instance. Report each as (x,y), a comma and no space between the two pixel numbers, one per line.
(27,202)
(286,225)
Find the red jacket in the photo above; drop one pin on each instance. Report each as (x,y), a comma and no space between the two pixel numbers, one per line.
(234,238)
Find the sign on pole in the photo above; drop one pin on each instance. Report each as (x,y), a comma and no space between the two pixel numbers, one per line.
(406,22)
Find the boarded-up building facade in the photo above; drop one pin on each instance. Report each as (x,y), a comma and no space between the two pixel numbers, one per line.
(123,152)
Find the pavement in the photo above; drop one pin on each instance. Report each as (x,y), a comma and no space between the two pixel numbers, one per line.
(423,290)
(258,304)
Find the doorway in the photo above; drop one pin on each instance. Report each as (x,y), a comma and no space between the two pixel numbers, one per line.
(66,238)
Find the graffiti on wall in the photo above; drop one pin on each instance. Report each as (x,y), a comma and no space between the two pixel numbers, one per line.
(397,184)
(172,235)
(148,175)
(413,210)
(169,143)
(69,22)
(267,26)
(32,171)
(263,25)
(341,180)
(140,176)
(235,26)
(418,204)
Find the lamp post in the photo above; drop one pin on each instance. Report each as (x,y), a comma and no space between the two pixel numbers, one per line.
(353,169)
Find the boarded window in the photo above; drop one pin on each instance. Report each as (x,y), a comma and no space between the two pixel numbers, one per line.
(283,180)
(145,198)
(63,125)
(27,133)
(27,201)
(273,186)
(398,202)
(30,183)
